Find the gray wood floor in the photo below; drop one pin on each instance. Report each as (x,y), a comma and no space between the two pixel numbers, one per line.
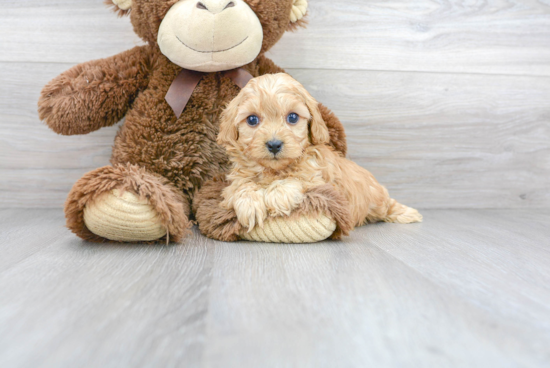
(467,288)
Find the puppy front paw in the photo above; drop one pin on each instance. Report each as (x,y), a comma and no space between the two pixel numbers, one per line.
(283,196)
(251,210)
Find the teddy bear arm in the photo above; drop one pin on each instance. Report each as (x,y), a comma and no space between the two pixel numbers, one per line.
(94,94)
(336,130)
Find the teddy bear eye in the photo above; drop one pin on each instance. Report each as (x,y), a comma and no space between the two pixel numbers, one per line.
(292,118)
(253,120)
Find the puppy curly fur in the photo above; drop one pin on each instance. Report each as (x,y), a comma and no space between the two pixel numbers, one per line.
(266,183)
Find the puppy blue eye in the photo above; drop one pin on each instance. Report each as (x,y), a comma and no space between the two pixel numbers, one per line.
(293,118)
(253,120)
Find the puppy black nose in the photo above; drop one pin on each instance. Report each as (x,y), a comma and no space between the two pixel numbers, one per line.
(275,146)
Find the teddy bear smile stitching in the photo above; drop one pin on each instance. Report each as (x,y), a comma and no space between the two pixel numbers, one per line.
(211,52)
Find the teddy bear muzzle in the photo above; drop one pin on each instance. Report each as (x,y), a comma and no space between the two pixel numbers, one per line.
(211,35)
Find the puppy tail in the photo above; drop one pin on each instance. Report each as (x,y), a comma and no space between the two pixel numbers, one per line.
(401,214)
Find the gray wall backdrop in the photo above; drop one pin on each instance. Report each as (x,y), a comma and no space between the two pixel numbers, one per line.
(446,102)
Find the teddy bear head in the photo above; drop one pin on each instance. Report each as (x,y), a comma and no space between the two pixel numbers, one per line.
(212,35)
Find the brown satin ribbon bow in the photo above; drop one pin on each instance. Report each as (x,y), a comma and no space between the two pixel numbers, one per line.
(187,80)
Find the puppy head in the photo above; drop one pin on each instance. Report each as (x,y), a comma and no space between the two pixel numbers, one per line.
(271,121)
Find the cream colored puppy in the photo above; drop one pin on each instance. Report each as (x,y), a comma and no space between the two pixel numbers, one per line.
(278,143)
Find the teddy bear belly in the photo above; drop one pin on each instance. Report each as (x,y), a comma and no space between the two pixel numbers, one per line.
(183,150)
(186,158)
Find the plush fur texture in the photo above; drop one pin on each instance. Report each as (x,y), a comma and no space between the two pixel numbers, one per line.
(267,182)
(182,154)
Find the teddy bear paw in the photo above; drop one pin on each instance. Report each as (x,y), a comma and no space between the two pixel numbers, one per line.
(123,4)
(123,216)
(299,10)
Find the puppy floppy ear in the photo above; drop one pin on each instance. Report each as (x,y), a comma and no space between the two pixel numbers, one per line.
(228,126)
(121,7)
(318,131)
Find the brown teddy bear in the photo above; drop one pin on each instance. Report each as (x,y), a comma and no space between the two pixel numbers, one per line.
(198,54)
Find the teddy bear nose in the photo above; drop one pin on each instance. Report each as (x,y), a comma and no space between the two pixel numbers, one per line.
(274,146)
(215,6)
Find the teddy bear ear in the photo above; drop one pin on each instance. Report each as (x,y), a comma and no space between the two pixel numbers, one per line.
(121,7)
(299,10)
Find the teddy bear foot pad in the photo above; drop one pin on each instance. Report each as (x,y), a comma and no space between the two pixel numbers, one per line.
(301,230)
(123,216)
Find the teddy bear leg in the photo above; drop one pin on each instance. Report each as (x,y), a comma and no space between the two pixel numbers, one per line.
(323,214)
(126,203)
